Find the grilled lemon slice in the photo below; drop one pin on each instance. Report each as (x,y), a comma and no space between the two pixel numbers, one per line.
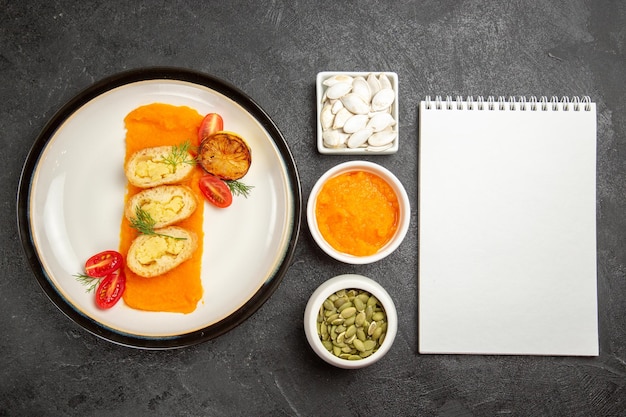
(225,155)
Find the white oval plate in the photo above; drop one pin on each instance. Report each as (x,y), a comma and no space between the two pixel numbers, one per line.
(70,205)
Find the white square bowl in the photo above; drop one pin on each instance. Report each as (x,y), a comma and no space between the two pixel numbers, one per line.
(321,89)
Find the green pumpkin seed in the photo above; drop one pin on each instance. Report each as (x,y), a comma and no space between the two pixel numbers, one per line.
(366,353)
(354,358)
(372,301)
(336,350)
(359,345)
(341,301)
(332,317)
(338,321)
(351,331)
(344,306)
(360,319)
(328,345)
(371,328)
(377,332)
(378,316)
(369,344)
(348,312)
(339,344)
(360,334)
(360,305)
(349,321)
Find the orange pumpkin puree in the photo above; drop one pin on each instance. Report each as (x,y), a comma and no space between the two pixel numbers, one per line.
(180,289)
(357,212)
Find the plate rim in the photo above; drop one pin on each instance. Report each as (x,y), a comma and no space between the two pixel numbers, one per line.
(83,97)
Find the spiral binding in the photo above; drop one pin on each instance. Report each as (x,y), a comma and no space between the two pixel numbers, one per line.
(511,103)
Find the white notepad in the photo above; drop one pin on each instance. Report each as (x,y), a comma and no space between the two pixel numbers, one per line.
(507,227)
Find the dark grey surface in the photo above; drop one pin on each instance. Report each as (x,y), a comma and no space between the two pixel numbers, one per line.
(272,50)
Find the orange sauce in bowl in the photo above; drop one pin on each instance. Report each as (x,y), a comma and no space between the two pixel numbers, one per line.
(180,289)
(357,212)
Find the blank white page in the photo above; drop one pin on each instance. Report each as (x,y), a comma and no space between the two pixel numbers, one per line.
(507,230)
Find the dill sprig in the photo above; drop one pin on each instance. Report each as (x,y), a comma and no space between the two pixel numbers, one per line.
(239,188)
(90,282)
(144,223)
(179,155)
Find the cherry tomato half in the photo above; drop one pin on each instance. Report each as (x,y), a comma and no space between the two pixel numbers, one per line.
(211,123)
(111,289)
(216,191)
(103,263)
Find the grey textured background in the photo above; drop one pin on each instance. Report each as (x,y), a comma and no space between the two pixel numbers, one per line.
(272,50)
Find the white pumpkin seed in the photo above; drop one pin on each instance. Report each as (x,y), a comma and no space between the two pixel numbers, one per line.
(338,90)
(339,78)
(385,82)
(380,121)
(378,148)
(362,89)
(374,84)
(356,123)
(334,138)
(383,99)
(355,103)
(326,116)
(341,118)
(359,138)
(382,138)
(336,106)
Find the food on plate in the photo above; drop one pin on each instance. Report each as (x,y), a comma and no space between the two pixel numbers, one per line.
(211,124)
(216,191)
(225,155)
(111,289)
(104,273)
(150,167)
(163,264)
(180,289)
(165,204)
(155,254)
(103,263)
(357,212)
(239,188)
(222,151)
